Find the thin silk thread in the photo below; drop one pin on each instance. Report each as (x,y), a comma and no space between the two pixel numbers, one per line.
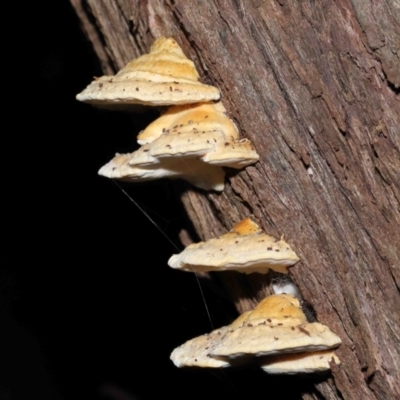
(172,243)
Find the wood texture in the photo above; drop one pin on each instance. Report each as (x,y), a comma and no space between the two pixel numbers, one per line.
(315,86)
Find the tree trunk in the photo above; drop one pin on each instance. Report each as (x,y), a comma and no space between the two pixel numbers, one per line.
(315,86)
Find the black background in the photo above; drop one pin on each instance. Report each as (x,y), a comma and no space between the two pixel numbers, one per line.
(84,285)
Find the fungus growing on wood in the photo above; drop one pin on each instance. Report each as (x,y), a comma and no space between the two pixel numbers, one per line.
(163,77)
(198,130)
(191,142)
(199,174)
(246,248)
(276,326)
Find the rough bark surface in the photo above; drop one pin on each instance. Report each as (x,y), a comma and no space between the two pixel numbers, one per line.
(315,86)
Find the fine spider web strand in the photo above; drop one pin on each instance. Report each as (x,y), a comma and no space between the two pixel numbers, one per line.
(172,243)
(226,380)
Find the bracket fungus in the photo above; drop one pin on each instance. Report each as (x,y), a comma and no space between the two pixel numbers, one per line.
(202,130)
(198,131)
(163,77)
(276,333)
(276,326)
(246,248)
(191,142)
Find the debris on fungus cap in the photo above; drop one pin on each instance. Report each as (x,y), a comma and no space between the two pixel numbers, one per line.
(199,130)
(276,326)
(246,248)
(283,284)
(196,352)
(299,363)
(163,77)
(199,174)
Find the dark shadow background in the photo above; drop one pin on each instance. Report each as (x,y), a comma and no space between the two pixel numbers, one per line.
(87,302)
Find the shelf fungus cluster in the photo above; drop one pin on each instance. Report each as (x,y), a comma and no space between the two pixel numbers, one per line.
(191,142)
(192,139)
(275,334)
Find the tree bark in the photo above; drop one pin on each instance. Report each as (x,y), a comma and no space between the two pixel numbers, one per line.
(315,86)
